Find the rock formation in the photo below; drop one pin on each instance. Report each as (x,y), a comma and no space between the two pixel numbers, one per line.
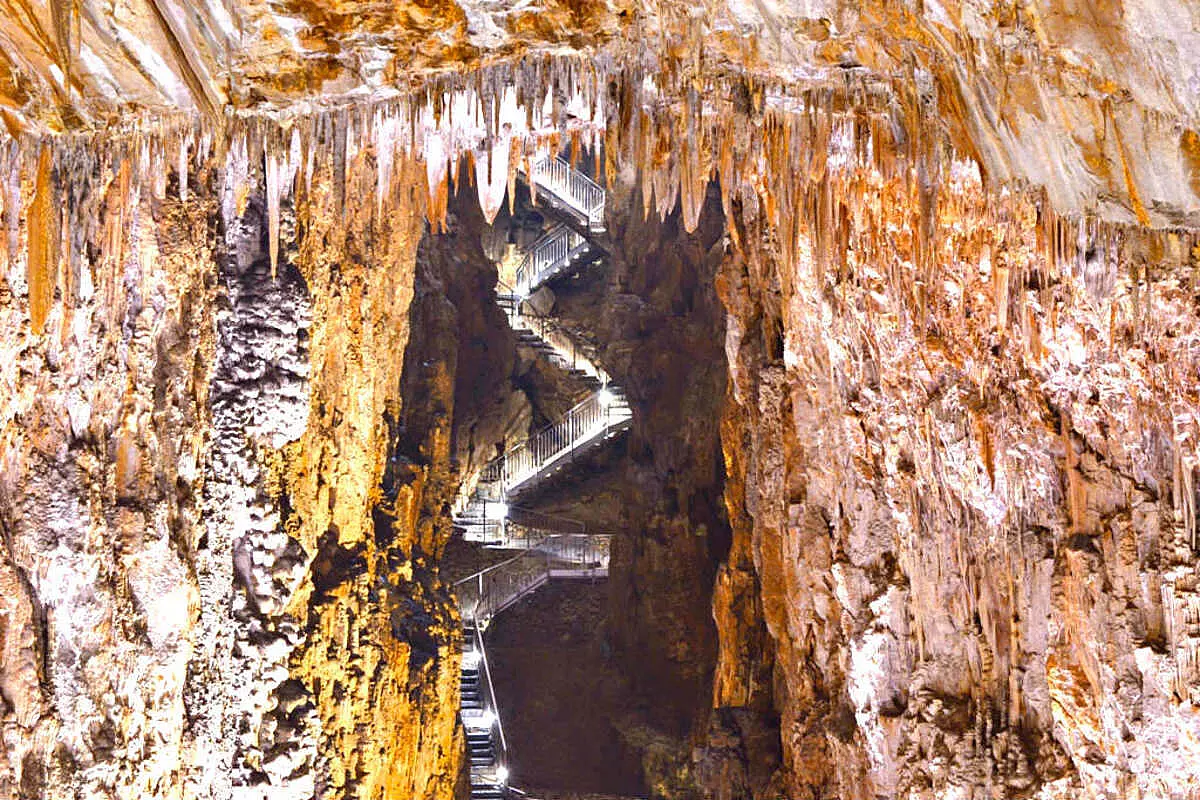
(918,518)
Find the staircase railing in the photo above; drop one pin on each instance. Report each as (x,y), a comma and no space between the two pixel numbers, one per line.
(484,594)
(489,691)
(550,523)
(564,349)
(580,554)
(488,592)
(595,415)
(548,256)
(579,192)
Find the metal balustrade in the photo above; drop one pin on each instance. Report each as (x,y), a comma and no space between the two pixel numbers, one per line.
(558,345)
(488,592)
(598,415)
(548,523)
(575,190)
(548,257)
(480,713)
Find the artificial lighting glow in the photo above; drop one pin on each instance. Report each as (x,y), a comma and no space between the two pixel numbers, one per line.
(495,511)
(606,398)
(501,774)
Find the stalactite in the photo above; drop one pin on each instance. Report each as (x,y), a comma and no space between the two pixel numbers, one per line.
(274,190)
(44,237)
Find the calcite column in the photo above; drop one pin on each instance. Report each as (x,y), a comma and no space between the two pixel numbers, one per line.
(332,633)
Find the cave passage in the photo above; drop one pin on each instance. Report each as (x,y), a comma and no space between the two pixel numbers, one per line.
(595,400)
(567,685)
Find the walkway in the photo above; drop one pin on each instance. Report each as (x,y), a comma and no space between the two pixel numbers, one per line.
(482,509)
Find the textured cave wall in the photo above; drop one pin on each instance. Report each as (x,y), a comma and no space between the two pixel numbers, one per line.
(361,688)
(104,421)
(1097,102)
(209,587)
(957,442)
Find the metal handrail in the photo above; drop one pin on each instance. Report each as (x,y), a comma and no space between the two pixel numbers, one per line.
(579,192)
(493,589)
(544,521)
(491,692)
(489,591)
(593,416)
(583,552)
(548,256)
(564,349)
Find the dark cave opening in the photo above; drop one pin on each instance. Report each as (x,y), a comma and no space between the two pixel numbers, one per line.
(603,684)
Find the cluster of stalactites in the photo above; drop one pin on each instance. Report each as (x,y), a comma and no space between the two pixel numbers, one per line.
(808,159)
(861,188)
(496,122)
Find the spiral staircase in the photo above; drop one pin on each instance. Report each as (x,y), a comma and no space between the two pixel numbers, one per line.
(486,512)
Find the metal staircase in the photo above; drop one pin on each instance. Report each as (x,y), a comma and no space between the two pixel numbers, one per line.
(480,716)
(482,510)
(560,250)
(481,597)
(567,189)
(547,338)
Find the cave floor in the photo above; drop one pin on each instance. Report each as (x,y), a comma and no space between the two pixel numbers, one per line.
(548,656)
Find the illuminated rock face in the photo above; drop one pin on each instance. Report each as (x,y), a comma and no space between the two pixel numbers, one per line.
(960,433)
(208,588)
(1098,102)
(964,502)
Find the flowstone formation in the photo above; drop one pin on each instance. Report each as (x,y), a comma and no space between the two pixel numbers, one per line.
(959,270)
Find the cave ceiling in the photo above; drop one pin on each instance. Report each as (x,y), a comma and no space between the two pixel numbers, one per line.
(1096,102)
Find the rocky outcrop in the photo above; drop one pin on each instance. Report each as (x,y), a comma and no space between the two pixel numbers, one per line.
(362,688)
(210,588)
(960,498)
